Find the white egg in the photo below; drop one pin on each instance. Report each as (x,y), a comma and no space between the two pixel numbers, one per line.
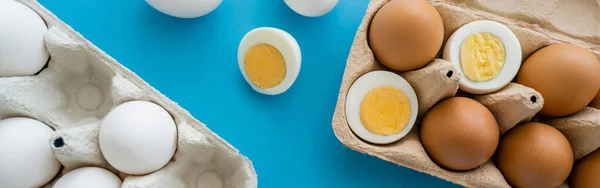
(311,8)
(88,177)
(185,8)
(22,46)
(269,59)
(489,76)
(390,97)
(26,158)
(138,137)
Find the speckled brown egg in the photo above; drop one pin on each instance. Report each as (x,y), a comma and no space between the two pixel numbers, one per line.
(406,34)
(534,155)
(586,173)
(567,76)
(459,134)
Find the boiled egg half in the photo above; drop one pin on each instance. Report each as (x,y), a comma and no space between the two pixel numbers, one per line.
(269,59)
(381,107)
(486,53)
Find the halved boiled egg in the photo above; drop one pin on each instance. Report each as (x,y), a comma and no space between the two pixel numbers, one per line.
(486,53)
(381,107)
(269,59)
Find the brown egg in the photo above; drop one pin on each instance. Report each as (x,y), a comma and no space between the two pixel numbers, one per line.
(596,102)
(586,173)
(534,155)
(459,133)
(406,34)
(567,76)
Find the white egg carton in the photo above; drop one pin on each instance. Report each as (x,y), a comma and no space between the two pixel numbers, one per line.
(536,23)
(81,84)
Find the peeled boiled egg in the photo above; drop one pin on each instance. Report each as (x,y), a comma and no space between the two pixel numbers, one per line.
(185,8)
(534,155)
(567,76)
(311,8)
(381,107)
(486,53)
(26,158)
(138,137)
(22,46)
(460,133)
(88,177)
(405,35)
(269,59)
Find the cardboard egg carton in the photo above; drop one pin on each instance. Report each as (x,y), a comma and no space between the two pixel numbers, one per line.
(536,23)
(81,84)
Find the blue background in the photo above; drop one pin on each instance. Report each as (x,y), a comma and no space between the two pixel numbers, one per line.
(194,62)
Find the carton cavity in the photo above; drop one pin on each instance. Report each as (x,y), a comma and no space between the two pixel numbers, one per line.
(536,23)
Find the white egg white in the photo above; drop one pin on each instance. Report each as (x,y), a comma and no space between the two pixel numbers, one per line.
(361,87)
(512,61)
(88,177)
(285,43)
(137,129)
(26,158)
(22,44)
(185,8)
(311,8)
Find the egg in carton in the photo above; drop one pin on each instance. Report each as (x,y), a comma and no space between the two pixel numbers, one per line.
(81,84)
(536,23)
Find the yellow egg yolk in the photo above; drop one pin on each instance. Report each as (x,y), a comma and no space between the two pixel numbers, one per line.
(385,110)
(264,66)
(482,56)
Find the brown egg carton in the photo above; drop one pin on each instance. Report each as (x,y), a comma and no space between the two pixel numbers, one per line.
(536,23)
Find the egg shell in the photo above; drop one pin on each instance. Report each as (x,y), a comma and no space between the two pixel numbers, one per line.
(22,50)
(88,177)
(556,22)
(311,8)
(361,87)
(155,138)
(586,172)
(567,76)
(185,8)
(474,133)
(78,67)
(534,155)
(512,61)
(285,43)
(26,159)
(405,35)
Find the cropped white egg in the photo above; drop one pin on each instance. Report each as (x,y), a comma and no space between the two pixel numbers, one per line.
(138,137)
(26,158)
(22,46)
(185,8)
(486,53)
(311,8)
(381,107)
(88,177)
(269,59)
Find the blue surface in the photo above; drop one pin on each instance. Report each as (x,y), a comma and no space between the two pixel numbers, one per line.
(194,62)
